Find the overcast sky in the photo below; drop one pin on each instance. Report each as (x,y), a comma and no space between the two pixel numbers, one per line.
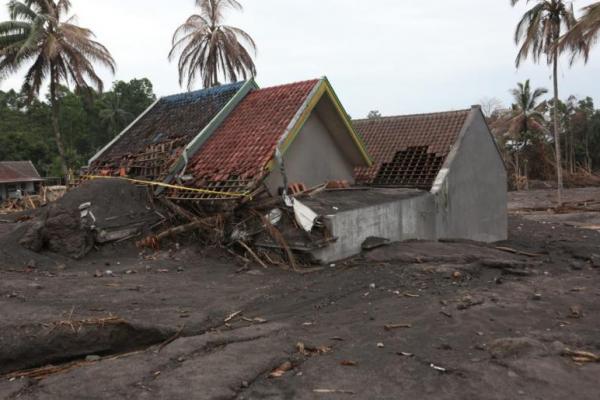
(396,56)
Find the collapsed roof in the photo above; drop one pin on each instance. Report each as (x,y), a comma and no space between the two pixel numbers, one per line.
(148,146)
(408,151)
(240,152)
(18,171)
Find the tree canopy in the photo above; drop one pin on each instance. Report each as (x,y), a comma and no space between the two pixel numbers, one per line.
(88,120)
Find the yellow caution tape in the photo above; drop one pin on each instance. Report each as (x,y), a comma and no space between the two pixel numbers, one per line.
(166,185)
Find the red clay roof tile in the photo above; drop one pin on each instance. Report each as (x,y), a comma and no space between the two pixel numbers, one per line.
(389,139)
(240,149)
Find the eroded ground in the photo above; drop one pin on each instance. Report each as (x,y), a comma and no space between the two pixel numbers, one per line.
(465,321)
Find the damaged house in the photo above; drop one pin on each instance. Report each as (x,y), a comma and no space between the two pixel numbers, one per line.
(434,176)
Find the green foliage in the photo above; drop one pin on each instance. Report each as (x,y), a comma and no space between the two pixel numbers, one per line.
(88,121)
(524,133)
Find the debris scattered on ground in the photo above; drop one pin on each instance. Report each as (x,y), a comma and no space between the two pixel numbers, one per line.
(576,312)
(469,301)
(310,350)
(333,391)
(281,370)
(348,363)
(581,356)
(438,368)
(231,316)
(390,327)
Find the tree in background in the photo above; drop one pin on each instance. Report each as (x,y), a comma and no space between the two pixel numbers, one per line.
(211,49)
(27,131)
(538,33)
(374,114)
(56,50)
(490,106)
(522,126)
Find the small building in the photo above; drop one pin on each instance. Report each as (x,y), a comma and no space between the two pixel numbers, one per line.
(434,176)
(18,178)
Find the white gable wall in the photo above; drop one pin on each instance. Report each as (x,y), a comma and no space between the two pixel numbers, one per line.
(472,200)
(312,159)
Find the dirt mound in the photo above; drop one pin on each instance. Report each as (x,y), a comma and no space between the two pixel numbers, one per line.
(95,212)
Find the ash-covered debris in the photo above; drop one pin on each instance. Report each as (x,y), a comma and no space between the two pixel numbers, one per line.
(95,212)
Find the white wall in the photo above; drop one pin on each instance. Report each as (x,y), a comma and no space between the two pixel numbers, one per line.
(472,201)
(313,158)
(411,218)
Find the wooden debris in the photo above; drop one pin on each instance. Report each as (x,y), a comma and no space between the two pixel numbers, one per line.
(581,356)
(348,363)
(281,370)
(333,391)
(519,252)
(171,339)
(390,327)
(252,253)
(232,316)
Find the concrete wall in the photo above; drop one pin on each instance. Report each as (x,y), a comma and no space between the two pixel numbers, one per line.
(403,219)
(312,159)
(472,200)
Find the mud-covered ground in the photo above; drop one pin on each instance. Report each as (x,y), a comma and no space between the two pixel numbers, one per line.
(464,321)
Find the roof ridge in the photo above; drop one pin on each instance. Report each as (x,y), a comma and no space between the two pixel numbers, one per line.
(290,84)
(438,113)
(203,90)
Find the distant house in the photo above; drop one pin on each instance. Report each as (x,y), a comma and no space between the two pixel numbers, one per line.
(18,177)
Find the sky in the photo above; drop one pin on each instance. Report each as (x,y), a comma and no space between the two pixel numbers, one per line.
(395,56)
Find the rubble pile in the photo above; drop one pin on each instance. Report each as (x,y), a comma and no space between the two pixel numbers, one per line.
(95,212)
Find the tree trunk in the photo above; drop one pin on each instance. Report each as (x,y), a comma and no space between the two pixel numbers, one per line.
(56,126)
(559,171)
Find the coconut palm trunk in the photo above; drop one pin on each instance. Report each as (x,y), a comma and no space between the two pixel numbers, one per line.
(559,170)
(55,105)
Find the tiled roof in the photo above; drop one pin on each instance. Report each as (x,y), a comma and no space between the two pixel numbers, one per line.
(408,150)
(18,171)
(181,116)
(237,153)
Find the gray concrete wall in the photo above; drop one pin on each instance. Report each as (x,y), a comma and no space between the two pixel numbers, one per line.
(313,158)
(404,219)
(472,201)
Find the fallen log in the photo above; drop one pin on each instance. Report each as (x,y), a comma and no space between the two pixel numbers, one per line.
(154,241)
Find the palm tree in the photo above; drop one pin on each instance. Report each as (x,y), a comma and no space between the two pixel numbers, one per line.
(525,121)
(585,32)
(112,115)
(528,111)
(539,32)
(54,48)
(211,49)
